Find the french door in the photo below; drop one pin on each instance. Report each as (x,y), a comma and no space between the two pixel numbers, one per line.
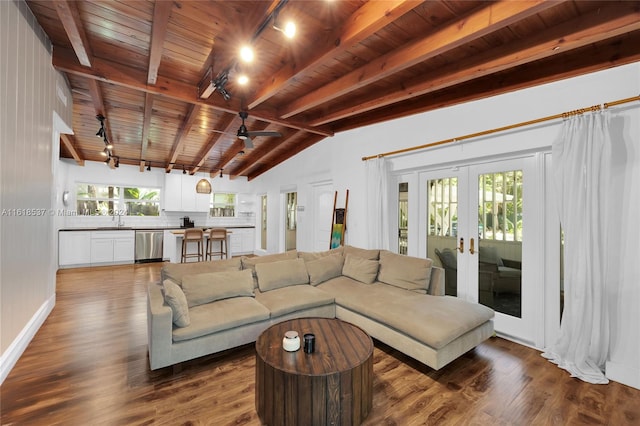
(477,223)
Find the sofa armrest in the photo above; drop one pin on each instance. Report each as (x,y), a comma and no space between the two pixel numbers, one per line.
(159,327)
(436,284)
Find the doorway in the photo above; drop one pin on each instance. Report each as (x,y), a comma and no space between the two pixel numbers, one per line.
(477,228)
(291,221)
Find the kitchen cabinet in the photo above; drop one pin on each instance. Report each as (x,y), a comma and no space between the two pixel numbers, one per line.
(180,194)
(242,240)
(74,248)
(109,247)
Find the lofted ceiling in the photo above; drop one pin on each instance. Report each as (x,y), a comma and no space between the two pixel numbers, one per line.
(352,63)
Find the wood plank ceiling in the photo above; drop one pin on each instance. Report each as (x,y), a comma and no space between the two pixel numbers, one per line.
(352,63)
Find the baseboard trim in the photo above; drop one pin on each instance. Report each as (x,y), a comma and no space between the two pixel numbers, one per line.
(13,353)
(623,374)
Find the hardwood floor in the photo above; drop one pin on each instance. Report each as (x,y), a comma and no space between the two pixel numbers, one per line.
(88,365)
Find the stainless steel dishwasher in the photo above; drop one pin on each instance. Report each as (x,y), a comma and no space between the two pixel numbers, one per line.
(149,246)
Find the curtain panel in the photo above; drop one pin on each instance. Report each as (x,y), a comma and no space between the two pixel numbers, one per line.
(581,169)
(377,203)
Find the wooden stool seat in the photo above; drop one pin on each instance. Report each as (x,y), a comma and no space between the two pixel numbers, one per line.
(217,235)
(192,235)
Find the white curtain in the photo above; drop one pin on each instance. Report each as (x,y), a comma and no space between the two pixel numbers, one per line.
(581,169)
(377,203)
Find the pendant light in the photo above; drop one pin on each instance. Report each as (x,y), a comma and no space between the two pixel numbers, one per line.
(203,186)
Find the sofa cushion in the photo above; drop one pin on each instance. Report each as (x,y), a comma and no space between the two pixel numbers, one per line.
(408,272)
(251,262)
(431,320)
(205,288)
(324,268)
(363,253)
(175,298)
(360,269)
(308,255)
(283,273)
(285,300)
(175,271)
(221,315)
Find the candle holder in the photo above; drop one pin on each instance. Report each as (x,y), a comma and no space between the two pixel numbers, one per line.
(291,341)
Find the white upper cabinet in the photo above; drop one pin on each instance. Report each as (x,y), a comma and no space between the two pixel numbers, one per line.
(180,194)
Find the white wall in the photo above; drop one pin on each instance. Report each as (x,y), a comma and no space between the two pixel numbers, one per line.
(96,172)
(31,94)
(338,159)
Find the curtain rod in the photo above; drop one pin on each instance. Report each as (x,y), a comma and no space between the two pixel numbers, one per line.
(509,127)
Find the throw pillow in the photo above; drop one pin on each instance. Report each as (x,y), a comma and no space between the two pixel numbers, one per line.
(280,274)
(200,289)
(177,301)
(307,255)
(410,273)
(363,253)
(324,268)
(175,271)
(363,270)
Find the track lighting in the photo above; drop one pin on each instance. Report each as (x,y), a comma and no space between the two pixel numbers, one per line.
(148,167)
(105,153)
(220,172)
(184,171)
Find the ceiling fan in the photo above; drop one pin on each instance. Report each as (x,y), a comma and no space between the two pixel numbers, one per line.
(245,135)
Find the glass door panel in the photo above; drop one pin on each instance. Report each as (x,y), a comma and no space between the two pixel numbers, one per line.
(291,222)
(500,225)
(442,226)
(263,222)
(403,217)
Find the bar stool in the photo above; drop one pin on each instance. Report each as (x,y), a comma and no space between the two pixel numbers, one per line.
(192,235)
(217,234)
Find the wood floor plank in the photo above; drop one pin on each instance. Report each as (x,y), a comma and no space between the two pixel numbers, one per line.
(88,364)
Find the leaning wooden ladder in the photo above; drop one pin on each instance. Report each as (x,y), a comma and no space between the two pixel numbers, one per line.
(338,222)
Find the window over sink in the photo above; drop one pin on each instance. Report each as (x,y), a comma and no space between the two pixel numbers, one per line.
(110,200)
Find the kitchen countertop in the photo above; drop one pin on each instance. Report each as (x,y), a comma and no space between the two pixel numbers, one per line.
(150,228)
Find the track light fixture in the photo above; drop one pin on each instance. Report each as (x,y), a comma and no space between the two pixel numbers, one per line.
(184,171)
(149,167)
(220,172)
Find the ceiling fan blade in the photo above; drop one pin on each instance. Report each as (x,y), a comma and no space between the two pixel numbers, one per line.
(248,143)
(265,133)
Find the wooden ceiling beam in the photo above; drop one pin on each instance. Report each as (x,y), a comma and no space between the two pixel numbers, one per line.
(69,143)
(185,127)
(70,18)
(227,124)
(161,13)
(594,57)
(371,17)
(280,157)
(258,154)
(232,152)
(604,23)
(122,75)
(472,26)
(146,126)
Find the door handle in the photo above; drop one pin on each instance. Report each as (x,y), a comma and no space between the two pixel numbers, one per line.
(461,247)
(471,247)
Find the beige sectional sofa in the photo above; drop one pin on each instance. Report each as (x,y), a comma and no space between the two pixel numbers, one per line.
(203,308)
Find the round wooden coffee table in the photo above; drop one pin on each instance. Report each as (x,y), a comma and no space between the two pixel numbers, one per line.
(332,386)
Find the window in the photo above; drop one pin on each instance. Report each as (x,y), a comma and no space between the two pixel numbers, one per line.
(500,206)
(443,207)
(107,200)
(223,205)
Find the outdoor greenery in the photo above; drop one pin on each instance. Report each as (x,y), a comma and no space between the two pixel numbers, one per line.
(107,200)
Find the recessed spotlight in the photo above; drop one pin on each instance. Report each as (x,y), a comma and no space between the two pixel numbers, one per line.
(243,80)
(290,29)
(246,54)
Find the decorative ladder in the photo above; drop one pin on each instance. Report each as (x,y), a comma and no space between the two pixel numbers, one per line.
(338,222)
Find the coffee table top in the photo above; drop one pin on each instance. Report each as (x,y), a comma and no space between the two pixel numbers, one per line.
(339,346)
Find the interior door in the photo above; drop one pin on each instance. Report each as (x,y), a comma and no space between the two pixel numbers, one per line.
(323,194)
(477,224)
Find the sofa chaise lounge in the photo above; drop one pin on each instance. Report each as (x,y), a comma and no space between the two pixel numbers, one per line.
(202,308)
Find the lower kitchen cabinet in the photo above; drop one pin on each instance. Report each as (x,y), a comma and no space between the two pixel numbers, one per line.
(74,248)
(112,247)
(242,240)
(84,248)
